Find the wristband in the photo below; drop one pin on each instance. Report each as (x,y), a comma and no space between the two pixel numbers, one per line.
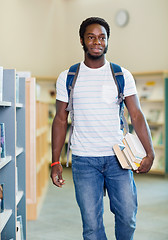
(54,163)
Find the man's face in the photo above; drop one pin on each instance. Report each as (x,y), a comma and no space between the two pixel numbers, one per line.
(95,42)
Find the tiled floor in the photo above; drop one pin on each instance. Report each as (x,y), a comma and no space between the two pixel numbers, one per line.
(59,218)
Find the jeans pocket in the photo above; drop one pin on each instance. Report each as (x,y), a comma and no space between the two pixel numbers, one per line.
(75,163)
(80,164)
(75,157)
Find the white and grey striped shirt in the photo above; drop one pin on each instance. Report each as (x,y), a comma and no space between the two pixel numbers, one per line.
(96,113)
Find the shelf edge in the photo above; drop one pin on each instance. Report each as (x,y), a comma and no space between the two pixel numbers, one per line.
(5,161)
(5,104)
(4,217)
(19,150)
(19,196)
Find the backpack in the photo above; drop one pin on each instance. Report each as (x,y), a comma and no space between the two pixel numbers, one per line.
(70,84)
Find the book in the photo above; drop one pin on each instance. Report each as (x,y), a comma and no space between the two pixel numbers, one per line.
(1,83)
(153,115)
(135,145)
(19,228)
(133,158)
(118,149)
(18,232)
(157,135)
(3,143)
(131,153)
(124,158)
(0,143)
(133,165)
(147,90)
(1,198)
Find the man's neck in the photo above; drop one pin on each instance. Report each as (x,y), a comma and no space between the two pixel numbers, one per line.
(95,63)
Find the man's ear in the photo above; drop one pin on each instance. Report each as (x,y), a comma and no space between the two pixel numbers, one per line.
(81,41)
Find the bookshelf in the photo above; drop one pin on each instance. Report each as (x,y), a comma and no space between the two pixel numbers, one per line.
(152,89)
(12,168)
(38,147)
(39,163)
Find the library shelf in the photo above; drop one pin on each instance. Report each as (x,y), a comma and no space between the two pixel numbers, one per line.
(19,150)
(5,104)
(12,167)
(37,150)
(19,196)
(5,161)
(19,105)
(4,217)
(152,90)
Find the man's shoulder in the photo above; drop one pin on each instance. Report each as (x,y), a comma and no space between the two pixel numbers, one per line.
(63,74)
(126,73)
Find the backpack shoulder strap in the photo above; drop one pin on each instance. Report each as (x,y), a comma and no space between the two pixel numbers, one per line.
(118,78)
(70,83)
(120,83)
(71,77)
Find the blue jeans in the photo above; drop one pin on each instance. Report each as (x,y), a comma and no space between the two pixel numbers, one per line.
(89,175)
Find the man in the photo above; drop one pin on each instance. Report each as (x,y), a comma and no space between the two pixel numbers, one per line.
(96,130)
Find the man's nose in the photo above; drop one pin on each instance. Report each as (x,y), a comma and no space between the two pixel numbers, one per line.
(97,41)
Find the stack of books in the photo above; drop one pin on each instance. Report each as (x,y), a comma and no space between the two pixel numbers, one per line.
(2,141)
(130,153)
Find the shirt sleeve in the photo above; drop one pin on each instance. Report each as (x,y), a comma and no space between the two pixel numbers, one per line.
(130,87)
(61,91)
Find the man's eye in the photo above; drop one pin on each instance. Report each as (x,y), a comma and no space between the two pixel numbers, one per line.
(90,37)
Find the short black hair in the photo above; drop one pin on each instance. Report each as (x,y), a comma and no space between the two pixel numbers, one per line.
(93,20)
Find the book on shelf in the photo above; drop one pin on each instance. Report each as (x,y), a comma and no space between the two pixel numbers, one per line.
(159,163)
(3,142)
(1,83)
(19,228)
(153,115)
(0,144)
(157,135)
(131,153)
(147,90)
(1,198)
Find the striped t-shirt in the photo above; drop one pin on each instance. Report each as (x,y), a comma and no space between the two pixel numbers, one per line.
(96,113)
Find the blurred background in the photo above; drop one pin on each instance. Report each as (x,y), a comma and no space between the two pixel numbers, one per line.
(41,36)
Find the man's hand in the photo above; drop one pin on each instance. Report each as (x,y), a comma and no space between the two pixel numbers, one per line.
(56,175)
(145,165)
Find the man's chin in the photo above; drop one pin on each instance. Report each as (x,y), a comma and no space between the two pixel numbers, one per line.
(95,57)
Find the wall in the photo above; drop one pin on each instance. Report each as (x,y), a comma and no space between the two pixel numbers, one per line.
(32,35)
(41,36)
(141,45)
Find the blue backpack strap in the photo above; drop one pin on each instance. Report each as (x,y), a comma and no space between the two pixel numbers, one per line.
(70,83)
(70,77)
(119,79)
(120,83)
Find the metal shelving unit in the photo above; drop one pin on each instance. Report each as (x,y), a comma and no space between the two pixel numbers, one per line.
(12,167)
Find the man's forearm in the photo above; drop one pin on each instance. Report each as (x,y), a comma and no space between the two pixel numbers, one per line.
(142,130)
(59,129)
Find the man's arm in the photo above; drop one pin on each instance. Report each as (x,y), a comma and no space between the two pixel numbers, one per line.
(59,128)
(142,130)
